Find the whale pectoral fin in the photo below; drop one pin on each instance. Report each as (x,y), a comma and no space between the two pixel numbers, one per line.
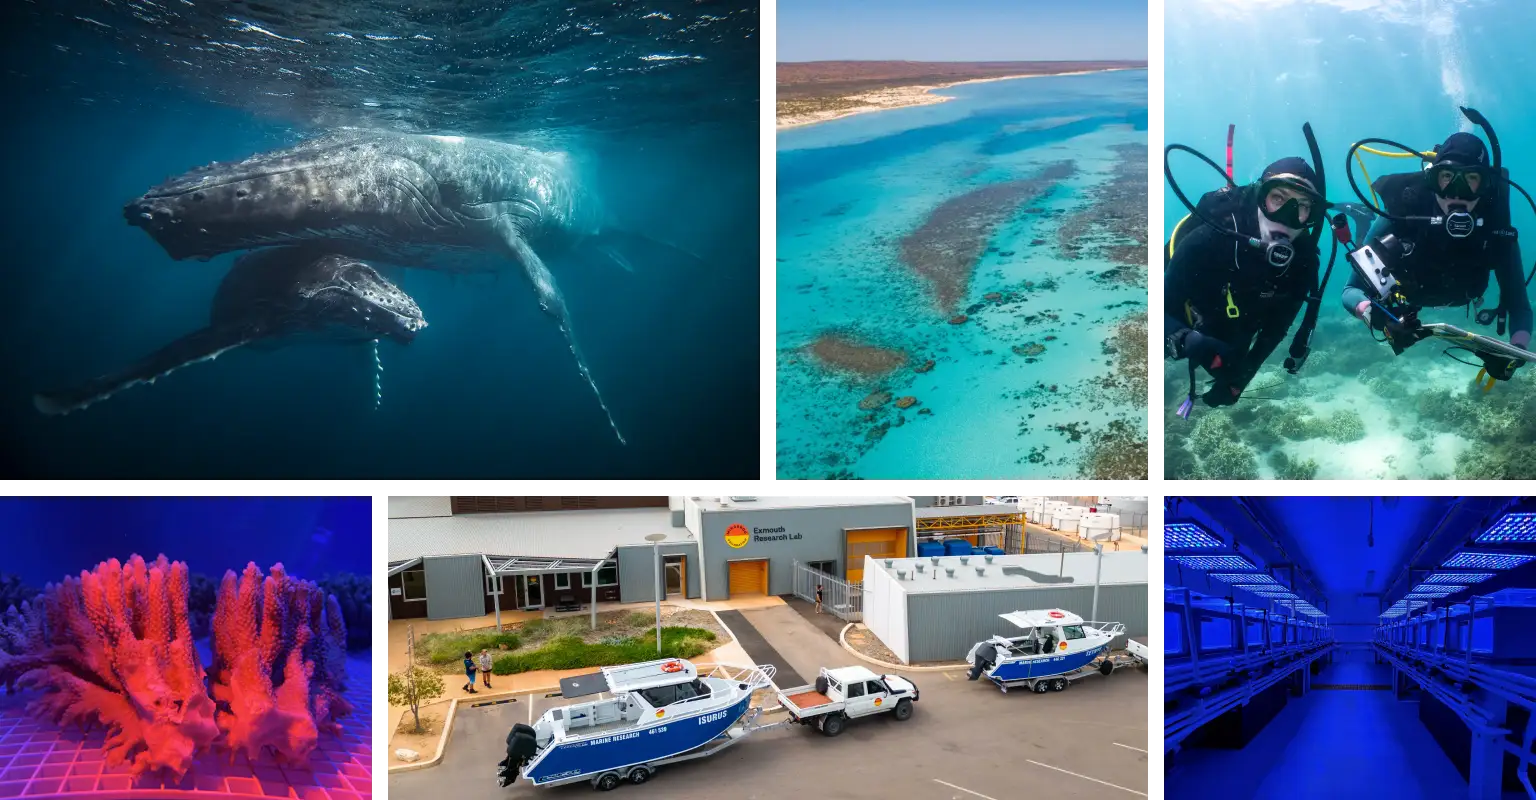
(553,303)
(202,345)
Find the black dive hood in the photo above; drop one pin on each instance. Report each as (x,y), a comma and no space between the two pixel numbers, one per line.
(1319,216)
(1472,115)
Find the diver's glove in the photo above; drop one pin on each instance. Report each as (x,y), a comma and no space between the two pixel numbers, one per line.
(1204,351)
(1222,394)
(1402,332)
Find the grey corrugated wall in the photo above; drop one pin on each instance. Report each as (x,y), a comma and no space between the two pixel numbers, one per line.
(637,570)
(822,528)
(944,625)
(455,586)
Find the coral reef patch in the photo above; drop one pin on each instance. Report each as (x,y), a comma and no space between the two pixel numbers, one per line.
(279,662)
(943,250)
(843,352)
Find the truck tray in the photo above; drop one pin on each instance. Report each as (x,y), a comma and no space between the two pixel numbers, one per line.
(808,699)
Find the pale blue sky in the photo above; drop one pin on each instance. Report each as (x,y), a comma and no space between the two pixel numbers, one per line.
(961,30)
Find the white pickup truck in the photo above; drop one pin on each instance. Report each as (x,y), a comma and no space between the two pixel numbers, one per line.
(845,693)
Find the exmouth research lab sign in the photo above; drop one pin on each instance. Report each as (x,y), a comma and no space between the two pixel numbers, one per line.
(737,535)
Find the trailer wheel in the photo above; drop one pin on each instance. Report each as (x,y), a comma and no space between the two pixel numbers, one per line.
(832,724)
(1106,667)
(1040,687)
(607,782)
(1060,684)
(904,710)
(639,775)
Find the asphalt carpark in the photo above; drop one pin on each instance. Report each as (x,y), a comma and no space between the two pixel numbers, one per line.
(966,740)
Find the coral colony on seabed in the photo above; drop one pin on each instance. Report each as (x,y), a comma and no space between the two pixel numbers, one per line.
(113,655)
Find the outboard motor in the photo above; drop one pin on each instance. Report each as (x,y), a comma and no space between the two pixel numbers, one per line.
(980,659)
(521,748)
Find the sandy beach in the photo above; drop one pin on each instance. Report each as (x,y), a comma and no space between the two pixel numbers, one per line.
(905,96)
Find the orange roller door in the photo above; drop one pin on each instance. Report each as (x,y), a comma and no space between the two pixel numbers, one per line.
(749,577)
(877,543)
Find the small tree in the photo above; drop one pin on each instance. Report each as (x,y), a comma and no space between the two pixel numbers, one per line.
(413,687)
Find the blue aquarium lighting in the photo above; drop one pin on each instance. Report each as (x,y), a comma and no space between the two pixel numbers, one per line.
(1204,563)
(1459,577)
(1248,578)
(1189,536)
(1512,528)
(1470,560)
(1434,590)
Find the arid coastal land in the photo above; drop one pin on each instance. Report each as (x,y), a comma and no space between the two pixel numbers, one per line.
(818,91)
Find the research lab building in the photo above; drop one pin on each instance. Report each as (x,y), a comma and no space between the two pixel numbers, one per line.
(454,557)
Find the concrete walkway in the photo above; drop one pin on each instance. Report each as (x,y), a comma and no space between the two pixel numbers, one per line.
(798,644)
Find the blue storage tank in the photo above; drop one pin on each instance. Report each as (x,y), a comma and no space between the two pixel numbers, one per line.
(1254,630)
(993,551)
(957,547)
(1174,641)
(1504,625)
(926,549)
(1218,626)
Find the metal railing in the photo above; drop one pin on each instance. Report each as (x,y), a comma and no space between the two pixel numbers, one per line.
(842,598)
(1028,541)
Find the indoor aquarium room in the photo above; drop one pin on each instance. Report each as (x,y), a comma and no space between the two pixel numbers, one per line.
(185,647)
(1350,647)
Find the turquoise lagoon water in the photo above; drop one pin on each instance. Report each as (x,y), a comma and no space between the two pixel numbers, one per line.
(1365,68)
(849,190)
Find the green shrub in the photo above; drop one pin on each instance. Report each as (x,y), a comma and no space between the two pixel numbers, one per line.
(443,649)
(570,652)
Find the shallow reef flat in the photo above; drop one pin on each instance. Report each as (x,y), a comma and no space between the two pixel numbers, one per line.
(1113,226)
(1356,411)
(945,248)
(931,324)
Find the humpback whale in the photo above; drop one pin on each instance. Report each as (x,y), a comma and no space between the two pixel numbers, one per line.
(409,199)
(276,296)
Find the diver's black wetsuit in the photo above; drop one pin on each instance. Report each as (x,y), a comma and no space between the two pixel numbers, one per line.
(1206,263)
(1438,270)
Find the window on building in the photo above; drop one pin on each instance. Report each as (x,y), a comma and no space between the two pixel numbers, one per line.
(607,576)
(413,584)
(492,584)
(824,567)
(562,580)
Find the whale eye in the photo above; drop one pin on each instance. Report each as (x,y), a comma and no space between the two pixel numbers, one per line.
(242,192)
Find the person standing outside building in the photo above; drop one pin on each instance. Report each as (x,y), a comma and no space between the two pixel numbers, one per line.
(469,672)
(818,598)
(485,668)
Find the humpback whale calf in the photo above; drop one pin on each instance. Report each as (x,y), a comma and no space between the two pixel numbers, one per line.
(277,295)
(403,198)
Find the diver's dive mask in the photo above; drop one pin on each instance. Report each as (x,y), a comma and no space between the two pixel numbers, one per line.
(1289,201)
(1458,182)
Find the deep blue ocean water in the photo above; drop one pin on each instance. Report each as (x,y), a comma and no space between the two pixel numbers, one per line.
(850,189)
(105,100)
(50,537)
(1376,68)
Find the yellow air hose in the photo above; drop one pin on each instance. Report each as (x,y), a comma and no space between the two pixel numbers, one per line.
(1373,151)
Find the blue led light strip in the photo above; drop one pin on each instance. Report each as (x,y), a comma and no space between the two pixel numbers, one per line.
(1250,578)
(1475,560)
(1214,562)
(1513,528)
(1188,536)
(1459,577)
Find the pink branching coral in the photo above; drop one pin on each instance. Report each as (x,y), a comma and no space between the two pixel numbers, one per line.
(279,662)
(114,647)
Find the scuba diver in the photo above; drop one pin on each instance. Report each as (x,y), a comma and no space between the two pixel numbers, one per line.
(1236,275)
(1441,231)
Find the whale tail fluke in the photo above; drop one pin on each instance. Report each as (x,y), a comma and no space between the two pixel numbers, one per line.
(203,345)
(553,304)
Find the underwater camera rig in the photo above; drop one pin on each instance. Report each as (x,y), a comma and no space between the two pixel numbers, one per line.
(1375,262)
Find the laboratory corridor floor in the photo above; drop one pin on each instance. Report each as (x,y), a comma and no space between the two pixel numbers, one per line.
(1345,742)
